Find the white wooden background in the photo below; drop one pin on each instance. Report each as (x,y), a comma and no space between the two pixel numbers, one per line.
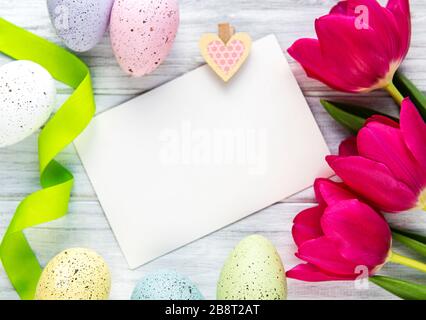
(86,226)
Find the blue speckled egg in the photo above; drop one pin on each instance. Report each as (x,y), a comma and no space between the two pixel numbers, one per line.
(166,285)
(80,24)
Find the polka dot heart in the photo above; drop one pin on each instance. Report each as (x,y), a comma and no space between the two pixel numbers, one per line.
(226,56)
(225,59)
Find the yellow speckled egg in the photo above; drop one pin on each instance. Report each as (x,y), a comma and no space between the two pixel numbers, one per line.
(253,271)
(75,274)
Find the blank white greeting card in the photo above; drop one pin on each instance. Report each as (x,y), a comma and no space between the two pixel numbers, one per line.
(197,154)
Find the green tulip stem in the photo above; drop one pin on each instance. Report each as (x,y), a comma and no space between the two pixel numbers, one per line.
(394,92)
(399,259)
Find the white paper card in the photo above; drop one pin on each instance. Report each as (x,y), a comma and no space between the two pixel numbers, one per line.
(197,154)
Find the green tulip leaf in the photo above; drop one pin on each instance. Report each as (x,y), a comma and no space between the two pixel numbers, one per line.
(408,89)
(410,240)
(403,289)
(350,116)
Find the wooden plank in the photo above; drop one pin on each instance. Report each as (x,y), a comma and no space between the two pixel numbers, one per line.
(288,20)
(86,226)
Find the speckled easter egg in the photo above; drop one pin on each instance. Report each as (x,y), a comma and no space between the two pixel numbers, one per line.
(142,33)
(75,274)
(166,285)
(80,24)
(253,271)
(27,98)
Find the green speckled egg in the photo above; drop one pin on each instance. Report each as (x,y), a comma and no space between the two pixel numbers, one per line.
(253,271)
(75,274)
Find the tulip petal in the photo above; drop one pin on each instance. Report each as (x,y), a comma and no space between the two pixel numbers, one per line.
(374,181)
(414,131)
(399,6)
(308,272)
(348,147)
(359,39)
(340,8)
(385,144)
(364,234)
(307,225)
(385,21)
(352,51)
(353,8)
(328,192)
(324,253)
(401,12)
(308,53)
(383,120)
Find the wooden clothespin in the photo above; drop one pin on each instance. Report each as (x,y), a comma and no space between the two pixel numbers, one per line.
(226,31)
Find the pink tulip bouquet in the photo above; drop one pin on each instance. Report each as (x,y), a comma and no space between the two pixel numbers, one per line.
(359,48)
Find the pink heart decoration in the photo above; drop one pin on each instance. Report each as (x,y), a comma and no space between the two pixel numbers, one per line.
(226,57)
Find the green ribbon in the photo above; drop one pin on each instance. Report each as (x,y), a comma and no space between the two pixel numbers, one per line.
(51,202)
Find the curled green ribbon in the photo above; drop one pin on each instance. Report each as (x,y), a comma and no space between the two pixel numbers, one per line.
(51,202)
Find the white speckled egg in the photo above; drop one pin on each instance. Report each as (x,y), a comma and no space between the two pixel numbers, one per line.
(166,285)
(80,24)
(75,274)
(253,271)
(27,98)
(142,33)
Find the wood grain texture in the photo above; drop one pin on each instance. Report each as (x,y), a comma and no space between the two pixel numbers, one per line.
(86,225)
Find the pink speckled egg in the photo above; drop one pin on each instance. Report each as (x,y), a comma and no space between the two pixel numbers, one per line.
(142,33)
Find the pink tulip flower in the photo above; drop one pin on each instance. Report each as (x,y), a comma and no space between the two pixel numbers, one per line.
(340,238)
(386,163)
(360,45)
